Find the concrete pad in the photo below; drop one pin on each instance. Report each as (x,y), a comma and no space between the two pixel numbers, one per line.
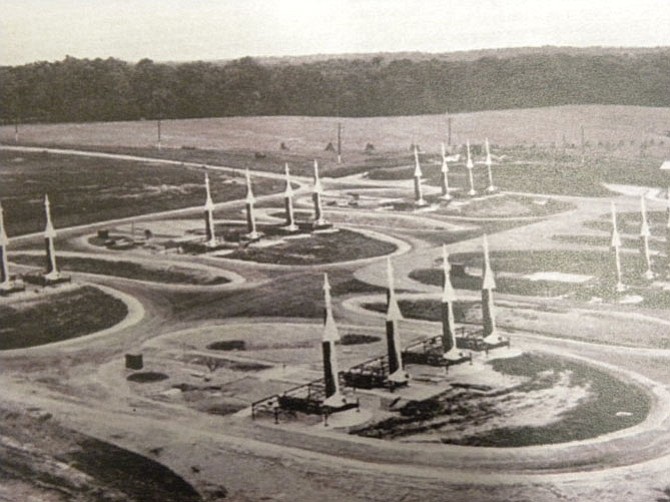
(279,372)
(631,299)
(415,391)
(264,243)
(558,277)
(348,418)
(503,353)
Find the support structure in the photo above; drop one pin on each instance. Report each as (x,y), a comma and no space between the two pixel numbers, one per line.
(339,142)
(4,242)
(317,194)
(252,233)
(333,395)
(451,353)
(288,203)
(645,233)
(667,231)
(445,175)
(449,131)
(470,166)
(488,162)
(52,272)
(616,247)
(397,376)
(490,333)
(418,191)
(210,236)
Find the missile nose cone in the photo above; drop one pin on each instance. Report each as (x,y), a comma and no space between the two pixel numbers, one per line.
(469,164)
(417,164)
(209,204)
(330,332)
(448,293)
(644,227)
(250,199)
(288,192)
(317,180)
(393,310)
(616,239)
(488,280)
(3,235)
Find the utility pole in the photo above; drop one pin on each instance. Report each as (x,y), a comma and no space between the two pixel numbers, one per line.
(339,142)
(583,146)
(449,131)
(158,131)
(16,129)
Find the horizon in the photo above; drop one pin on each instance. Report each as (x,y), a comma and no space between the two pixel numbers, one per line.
(182,31)
(356,55)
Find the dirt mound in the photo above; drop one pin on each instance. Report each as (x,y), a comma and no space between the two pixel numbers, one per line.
(147,377)
(227,345)
(358,339)
(41,460)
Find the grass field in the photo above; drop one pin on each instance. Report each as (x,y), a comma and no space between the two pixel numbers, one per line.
(605,241)
(544,170)
(84,190)
(426,310)
(119,268)
(629,222)
(598,264)
(59,316)
(270,299)
(508,205)
(451,418)
(309,135)
(539,134)
(317,249)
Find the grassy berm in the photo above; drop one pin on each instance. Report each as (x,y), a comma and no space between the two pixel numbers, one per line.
(58,316)
(41,460)
(170,274)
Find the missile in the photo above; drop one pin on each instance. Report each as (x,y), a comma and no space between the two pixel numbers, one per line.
(393,315)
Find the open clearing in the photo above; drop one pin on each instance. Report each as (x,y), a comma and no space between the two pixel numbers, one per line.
(170,274)
(309,135)
(85,190)
(317,249)
(569,402)
(209,352)
(38,319)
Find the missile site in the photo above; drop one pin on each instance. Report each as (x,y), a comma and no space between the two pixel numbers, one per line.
(264,306)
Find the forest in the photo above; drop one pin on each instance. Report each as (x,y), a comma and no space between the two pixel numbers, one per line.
(80,90)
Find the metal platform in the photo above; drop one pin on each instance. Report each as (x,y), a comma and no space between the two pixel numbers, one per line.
(370,374)
(307,398)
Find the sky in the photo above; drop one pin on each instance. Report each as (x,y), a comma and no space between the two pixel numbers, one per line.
(186,30)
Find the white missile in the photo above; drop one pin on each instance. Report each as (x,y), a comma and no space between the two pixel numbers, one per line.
(333,396)
(470,166)
(450,351)
(396,373)
(616,247)
(52,272)
(488,162)
(645,233)
(445,175)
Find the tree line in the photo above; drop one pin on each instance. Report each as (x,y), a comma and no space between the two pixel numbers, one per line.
(78,90)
